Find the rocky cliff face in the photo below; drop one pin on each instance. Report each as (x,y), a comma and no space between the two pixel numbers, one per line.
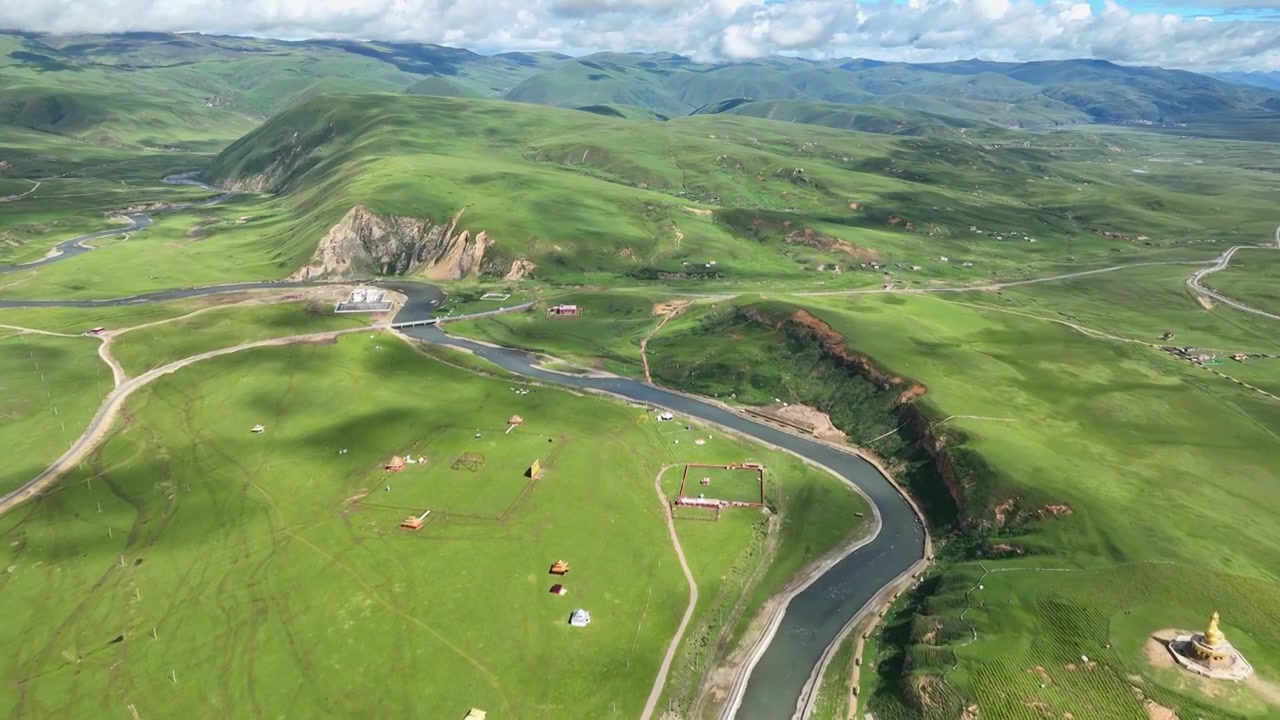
(931,442)
(363,243)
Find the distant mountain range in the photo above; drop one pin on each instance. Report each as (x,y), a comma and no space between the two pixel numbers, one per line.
(1269,80)
(223,86)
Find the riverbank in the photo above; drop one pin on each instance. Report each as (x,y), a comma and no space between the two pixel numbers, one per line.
(833,586)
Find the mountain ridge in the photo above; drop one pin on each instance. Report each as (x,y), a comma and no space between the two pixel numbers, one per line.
(81,85)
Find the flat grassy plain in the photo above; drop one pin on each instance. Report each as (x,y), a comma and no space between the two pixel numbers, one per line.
(218,244)
(737,564)
(50,388)
(606,336)
(68,187)
(1140,304)
(79,320)
(141,350)
(260,557)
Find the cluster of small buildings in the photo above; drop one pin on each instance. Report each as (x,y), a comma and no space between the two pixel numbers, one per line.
(1011,235)
(877,266)
(1200,357)
(1190,354)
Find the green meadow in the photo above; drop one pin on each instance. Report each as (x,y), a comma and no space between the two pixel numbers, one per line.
(219,327)
(190,564)
(1085,488)
(49,389)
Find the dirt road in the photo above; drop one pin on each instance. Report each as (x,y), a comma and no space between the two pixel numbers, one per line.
(661,681)
(102,421)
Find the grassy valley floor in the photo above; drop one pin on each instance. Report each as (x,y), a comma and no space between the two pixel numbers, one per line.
(189,562)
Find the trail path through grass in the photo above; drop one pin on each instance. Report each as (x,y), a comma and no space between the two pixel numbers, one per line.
(644,342)
(21,329)
(1090,332)
(660,682)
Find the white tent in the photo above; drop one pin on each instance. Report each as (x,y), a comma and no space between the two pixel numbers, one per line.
(580,618)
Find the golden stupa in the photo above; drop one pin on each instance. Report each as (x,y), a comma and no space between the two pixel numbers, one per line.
(1210,653)
(1211,647)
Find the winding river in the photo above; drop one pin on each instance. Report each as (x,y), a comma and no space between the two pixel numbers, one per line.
(815,616)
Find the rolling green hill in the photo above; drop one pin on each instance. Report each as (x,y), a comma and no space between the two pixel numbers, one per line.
(862,118)
(202,92)
(1057,92)
(451,188)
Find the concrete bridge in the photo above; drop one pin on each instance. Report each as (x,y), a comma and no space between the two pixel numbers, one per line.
(468,316)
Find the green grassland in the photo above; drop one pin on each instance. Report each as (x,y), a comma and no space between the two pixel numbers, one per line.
(79,185)
(1142,304)
(1060,617)
(196,91)
(51,387)
(152,347)
(833,694)
(732,554)
(606,336)
(1145,450)
(868,118)
(593,199)
(226,536)
(254,565)
(201,91)
(79,320)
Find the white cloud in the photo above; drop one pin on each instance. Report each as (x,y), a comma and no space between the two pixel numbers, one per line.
(917,30)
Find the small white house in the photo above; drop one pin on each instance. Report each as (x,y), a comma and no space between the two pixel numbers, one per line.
(580,618)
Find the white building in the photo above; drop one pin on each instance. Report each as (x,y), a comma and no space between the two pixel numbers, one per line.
(580,618)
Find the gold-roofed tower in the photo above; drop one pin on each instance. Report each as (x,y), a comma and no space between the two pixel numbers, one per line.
(1210,653)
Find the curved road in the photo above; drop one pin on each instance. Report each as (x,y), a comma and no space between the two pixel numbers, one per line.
(773,684)
(1194,282)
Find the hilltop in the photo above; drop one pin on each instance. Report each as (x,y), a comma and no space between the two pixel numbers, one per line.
(197,91)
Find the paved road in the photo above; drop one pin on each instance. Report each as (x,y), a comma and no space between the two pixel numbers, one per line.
(1195,281)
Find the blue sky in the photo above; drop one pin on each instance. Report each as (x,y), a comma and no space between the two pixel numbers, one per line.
(1195,35)
(1225,11)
